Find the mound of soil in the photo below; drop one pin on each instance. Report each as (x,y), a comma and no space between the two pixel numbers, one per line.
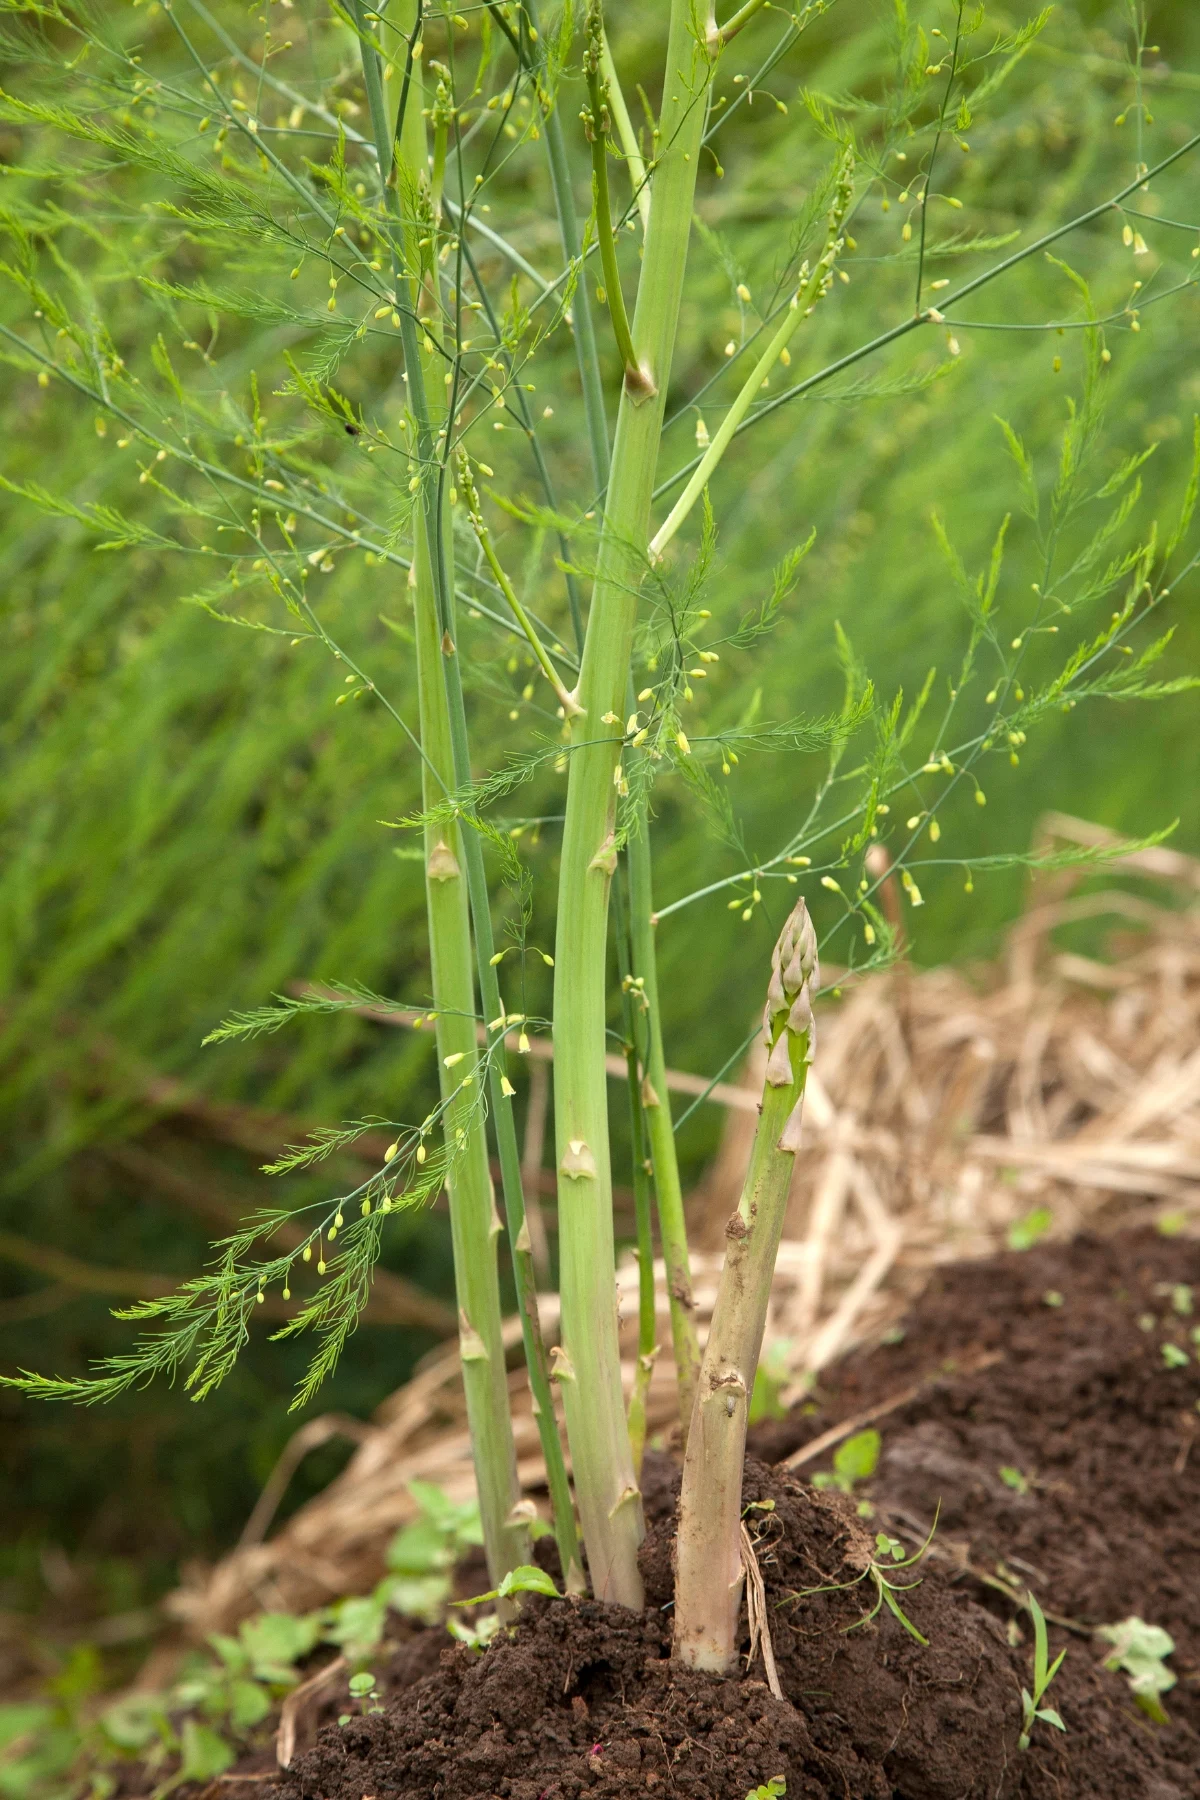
(1049,1365)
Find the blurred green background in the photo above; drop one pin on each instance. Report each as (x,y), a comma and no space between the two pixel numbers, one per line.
(189,825)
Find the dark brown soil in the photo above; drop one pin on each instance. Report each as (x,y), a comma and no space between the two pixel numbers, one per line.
(584,1699)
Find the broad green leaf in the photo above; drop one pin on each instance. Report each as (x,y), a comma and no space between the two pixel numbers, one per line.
(249,1702)
(274,1639)
(858,1457)
(204,1753)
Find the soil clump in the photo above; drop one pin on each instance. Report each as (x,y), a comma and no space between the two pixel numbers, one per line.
(1049,1365)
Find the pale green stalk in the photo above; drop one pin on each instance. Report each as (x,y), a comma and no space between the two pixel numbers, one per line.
(473,1221)
(708,1559)
(660,1130)
(655,1105)
(609,1500)
(473,1218)
(810,289)
(656,1120)
(501,1090)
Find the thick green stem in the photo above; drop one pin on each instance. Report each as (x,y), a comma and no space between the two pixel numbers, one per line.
(708,1559)
(442,703)
(473,1221)
(609,1501)
(656,1106)
(660,1130)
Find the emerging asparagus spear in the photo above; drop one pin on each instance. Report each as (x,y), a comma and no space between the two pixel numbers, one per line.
(708,1571)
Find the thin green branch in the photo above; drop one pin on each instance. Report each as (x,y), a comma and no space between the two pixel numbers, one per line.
(934,315)
(597,123)
(634,161)
(719,36)
(810,290)
(466,482)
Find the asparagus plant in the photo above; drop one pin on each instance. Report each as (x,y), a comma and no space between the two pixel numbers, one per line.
(394,213)
(708,1584)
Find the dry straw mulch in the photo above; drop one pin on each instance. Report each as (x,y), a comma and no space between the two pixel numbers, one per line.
(945,1110)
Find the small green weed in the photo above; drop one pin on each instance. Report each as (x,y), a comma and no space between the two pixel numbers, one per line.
(1044,1672)
(1013,1478)
(364,1689)
(477,1636)
(195,1728)
(770,1790)
(1139,1651)
(888,1560)
(1024,1233)
(770,1378)
(854,1461)
(527,1579)
(421,1559)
